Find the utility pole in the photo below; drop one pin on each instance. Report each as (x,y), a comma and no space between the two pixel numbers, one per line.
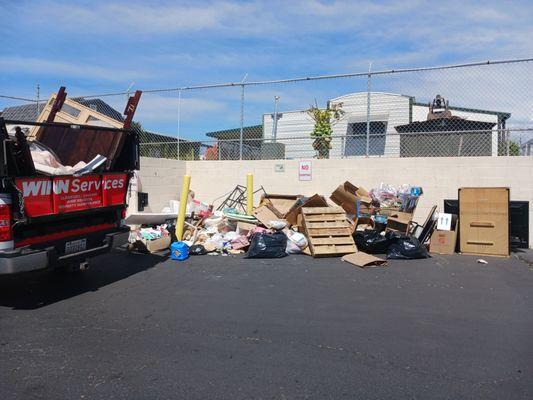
(242,116)
(275,122)
(369,87)
(179,121)
(38,100)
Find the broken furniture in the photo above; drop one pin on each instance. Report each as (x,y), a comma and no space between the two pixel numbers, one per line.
(484,221)
(423,232)
(399,222)
(518,221)
(328,232)
(237,199)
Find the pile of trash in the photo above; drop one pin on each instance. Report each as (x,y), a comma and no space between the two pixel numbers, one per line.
(378,221)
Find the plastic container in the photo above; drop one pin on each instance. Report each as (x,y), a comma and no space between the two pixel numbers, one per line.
(179,251)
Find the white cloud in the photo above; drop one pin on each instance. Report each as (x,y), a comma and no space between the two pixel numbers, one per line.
(45,67)
(155,108)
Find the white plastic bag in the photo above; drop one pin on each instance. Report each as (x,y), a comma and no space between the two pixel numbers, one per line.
(298,239)
(278,225)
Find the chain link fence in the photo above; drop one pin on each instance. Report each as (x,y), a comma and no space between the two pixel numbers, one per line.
(468,110)
(409,144)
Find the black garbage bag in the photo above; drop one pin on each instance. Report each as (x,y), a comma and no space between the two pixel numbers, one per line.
(405,247)
(197,250)
(267,245)
(371,242)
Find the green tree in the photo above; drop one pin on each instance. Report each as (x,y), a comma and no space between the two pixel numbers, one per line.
(324,120)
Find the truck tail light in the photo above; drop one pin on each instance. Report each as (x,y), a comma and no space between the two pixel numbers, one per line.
(6,234)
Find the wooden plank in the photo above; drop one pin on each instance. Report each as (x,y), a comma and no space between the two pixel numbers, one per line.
(332,240)
(323,210)
(329,232)
(337,250)
(332,224)
(325,217)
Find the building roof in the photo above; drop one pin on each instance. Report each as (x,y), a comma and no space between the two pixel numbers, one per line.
(503,115)
(30,113)
(248,132)
(26,112)
(153,137)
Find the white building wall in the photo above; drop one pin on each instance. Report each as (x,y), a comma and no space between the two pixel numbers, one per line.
(295,127)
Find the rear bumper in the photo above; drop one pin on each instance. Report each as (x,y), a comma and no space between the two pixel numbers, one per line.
(19,261)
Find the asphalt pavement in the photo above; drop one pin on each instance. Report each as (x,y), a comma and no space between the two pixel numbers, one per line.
(144,327)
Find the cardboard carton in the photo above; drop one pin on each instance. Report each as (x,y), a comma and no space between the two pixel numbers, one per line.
(347,194)
(152,246)
(444,241)
(279,204)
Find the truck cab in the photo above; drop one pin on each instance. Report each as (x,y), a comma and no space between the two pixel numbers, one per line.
(71,206)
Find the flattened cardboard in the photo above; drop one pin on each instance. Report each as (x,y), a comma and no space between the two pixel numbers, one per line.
(265,215)
(364,260)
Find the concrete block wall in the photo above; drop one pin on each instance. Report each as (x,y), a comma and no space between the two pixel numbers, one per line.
(161,179)
(439,177)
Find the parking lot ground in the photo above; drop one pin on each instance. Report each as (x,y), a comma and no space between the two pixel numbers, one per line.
(144,327)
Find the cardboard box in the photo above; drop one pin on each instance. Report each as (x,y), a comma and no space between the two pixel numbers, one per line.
(484,221)
(347,194)
(243,228)
(313,201)
(279,204)
(153,246)
(444,242)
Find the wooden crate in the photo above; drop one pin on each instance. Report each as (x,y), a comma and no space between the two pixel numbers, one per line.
(328,231)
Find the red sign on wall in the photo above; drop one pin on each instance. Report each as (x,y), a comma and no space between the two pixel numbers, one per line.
(62,194)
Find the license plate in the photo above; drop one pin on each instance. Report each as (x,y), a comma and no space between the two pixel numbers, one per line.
(75,246)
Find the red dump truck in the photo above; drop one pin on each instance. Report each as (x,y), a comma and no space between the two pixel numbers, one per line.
(51,219)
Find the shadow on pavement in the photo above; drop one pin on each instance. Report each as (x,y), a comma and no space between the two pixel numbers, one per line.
(34,290)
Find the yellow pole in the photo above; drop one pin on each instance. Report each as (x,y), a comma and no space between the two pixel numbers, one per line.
(183,206)
(249,193)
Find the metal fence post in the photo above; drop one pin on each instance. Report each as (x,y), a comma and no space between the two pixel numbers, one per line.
(179,121)
(369,86)
(242,122)
(508,135)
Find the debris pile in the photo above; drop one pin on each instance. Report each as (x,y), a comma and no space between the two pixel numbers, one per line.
(361,222)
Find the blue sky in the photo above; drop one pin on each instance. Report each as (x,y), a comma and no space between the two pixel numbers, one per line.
(103,46)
